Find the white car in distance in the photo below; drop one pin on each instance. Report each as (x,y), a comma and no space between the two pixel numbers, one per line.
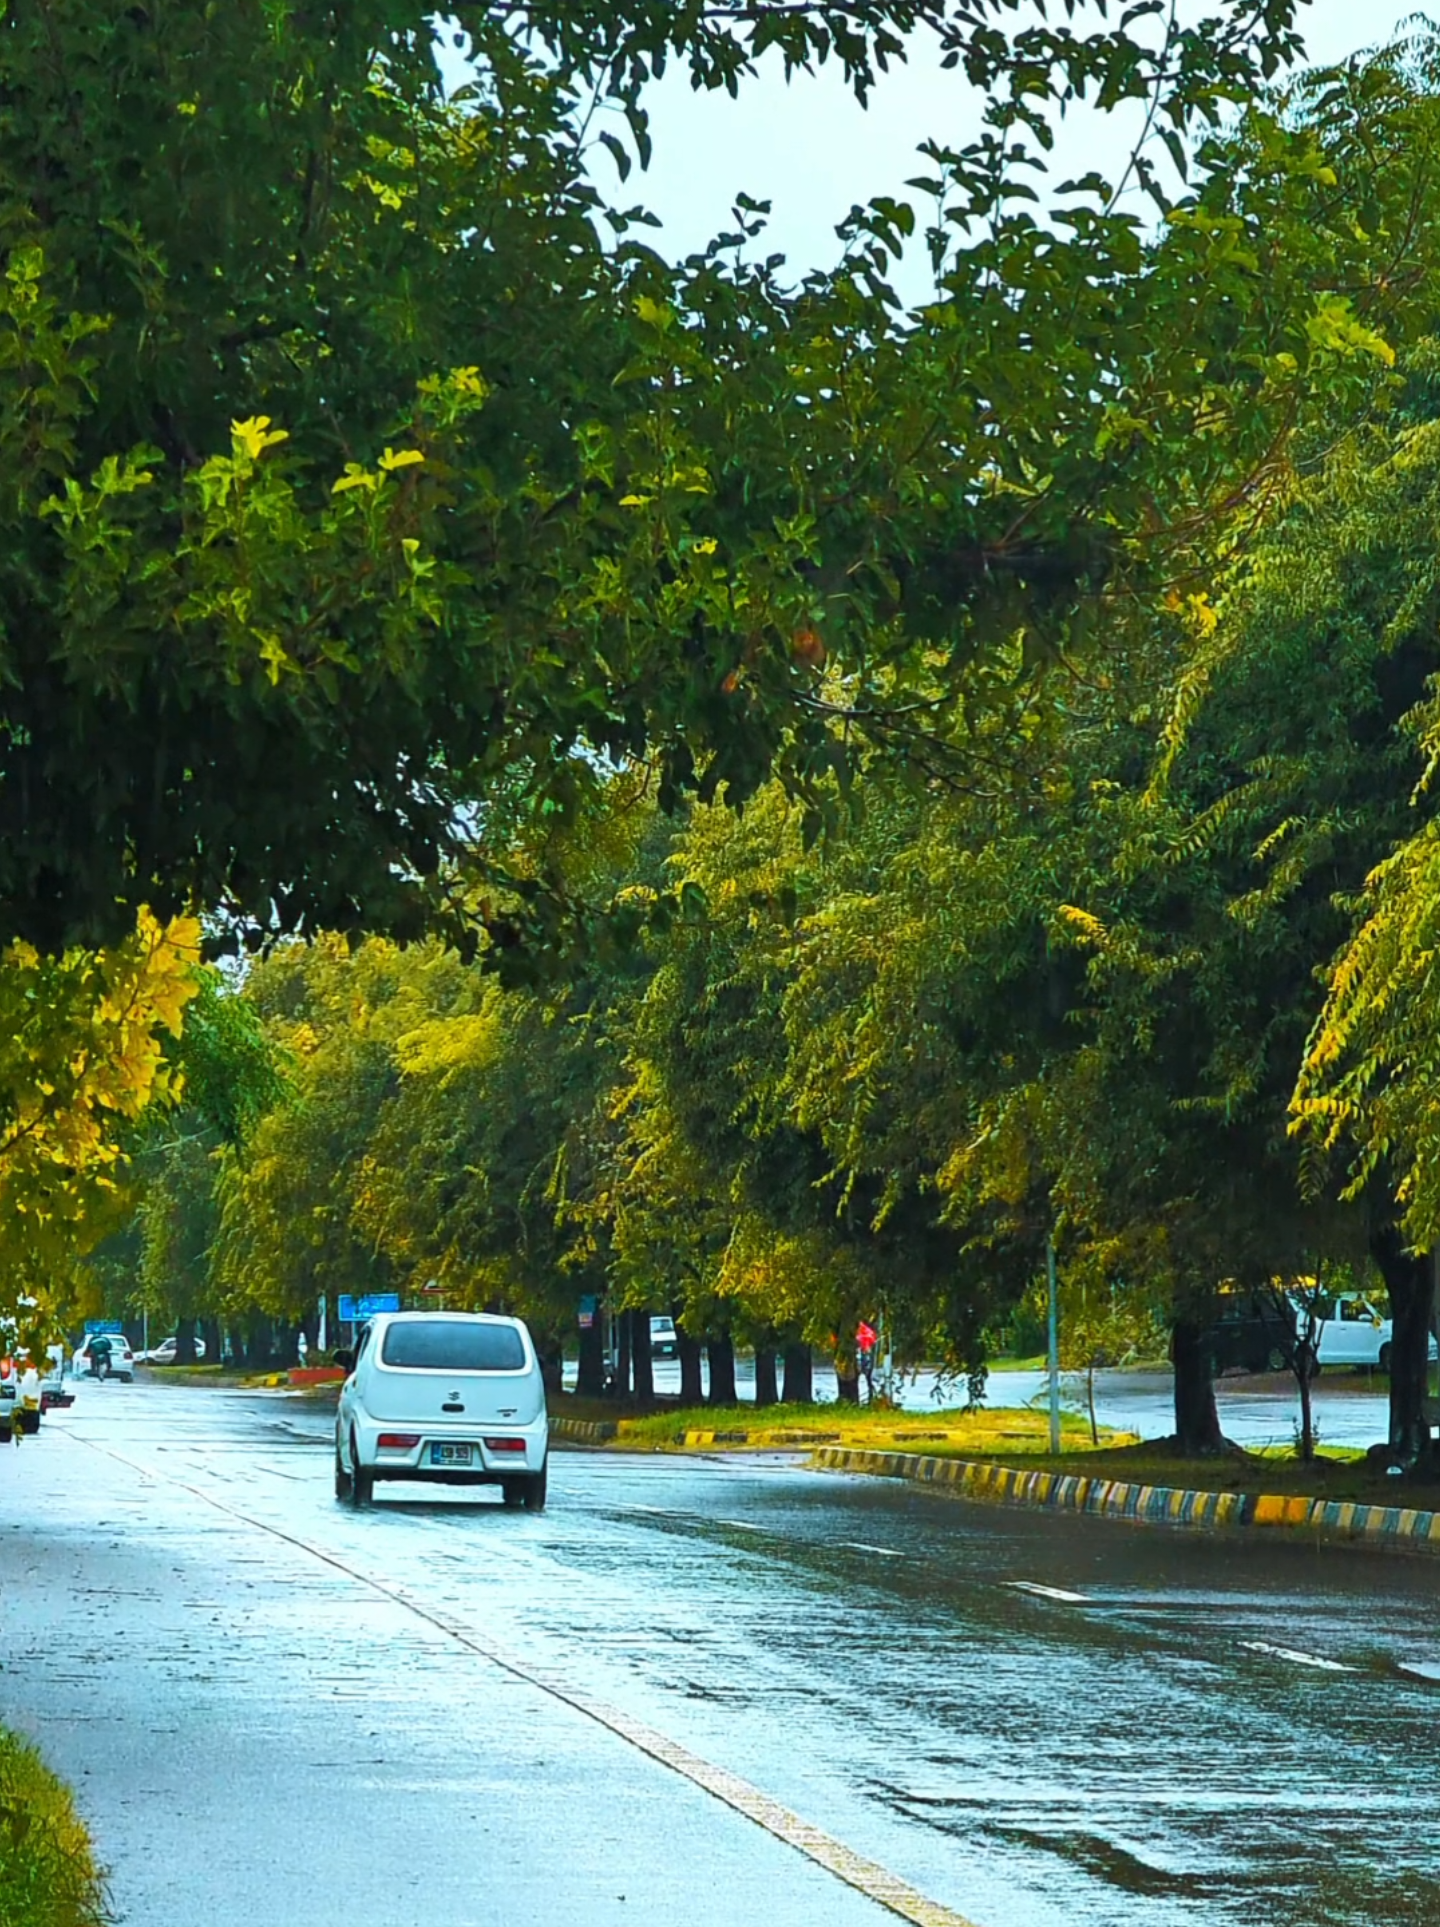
(1353,1333)
(164,1352)
(445,1398)
(122,1359)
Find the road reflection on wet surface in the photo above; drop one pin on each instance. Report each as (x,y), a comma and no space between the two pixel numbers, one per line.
(1033,1719)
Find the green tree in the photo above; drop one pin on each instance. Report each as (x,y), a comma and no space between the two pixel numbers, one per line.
(351,478)
(83,1059)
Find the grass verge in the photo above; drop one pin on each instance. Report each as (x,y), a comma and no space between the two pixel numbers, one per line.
(959,1432)
(48,1876)
(1336,1473)
(1009,1437)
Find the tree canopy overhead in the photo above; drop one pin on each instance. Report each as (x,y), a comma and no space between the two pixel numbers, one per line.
(353,483)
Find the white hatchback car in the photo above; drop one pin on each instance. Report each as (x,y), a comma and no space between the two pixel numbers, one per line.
(452,1398)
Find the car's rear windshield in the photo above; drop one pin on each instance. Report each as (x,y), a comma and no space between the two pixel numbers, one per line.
(445,1345)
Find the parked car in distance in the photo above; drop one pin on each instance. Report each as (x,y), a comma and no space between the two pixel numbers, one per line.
(1353,1333)
(1249,1335)
(450,1398)
(10,1401)
(164,1352)
(122,1359)
(664,1339)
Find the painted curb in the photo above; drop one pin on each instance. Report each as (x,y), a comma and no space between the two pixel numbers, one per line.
(1143,1504)
(581,1431)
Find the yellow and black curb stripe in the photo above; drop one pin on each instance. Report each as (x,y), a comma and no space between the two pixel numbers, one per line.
(582,1431)
(579,1431)
(1144,1504)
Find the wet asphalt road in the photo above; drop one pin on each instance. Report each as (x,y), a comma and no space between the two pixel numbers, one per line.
(1208,1731)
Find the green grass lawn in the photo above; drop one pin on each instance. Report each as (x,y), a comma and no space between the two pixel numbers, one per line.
(1335,1473)
(985,1431)
(48,1876)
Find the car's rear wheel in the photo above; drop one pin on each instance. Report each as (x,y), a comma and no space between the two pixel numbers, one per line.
(362,1483)
(343,1481)
(1384,1359)
(1275,1361)
(534,1489)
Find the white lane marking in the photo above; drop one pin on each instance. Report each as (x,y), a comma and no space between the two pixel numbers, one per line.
(868,1877)
(1426,1669)
(661,1511)
(1295,1659)
(739,1525)
(885,1552)
(1048,1592)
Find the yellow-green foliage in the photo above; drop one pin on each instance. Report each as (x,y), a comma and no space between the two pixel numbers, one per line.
(48,1876)
(81,1057)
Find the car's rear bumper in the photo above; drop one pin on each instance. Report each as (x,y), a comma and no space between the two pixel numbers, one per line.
(488,1465)
(447,1475)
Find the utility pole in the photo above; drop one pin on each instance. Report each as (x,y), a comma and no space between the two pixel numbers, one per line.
(1054,1345)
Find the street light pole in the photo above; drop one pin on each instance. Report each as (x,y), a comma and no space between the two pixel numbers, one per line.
(1054,1346)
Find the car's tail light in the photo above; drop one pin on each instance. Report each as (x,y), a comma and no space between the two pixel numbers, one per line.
(398,1441)
(504,1445)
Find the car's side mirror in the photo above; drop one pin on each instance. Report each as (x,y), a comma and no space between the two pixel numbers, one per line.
(342,1355)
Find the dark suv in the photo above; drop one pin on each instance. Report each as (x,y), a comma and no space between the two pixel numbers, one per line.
(1250,1334)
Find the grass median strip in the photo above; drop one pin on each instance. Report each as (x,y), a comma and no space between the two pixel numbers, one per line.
(48,1876)
(801,1427)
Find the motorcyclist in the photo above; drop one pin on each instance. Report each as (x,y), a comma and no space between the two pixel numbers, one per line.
(100,1355)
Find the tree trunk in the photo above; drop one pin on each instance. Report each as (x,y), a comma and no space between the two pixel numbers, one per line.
(552,1369)
(185,1341)
(1197,1423)
(256,1342)
(847,1379)
(767,1390)
(210,1332)
(692,1388)
(590,1375)
(1307,1410)
(1410,1281)
(624,1323)
(640,1355)
(720,1350)
(799,1375)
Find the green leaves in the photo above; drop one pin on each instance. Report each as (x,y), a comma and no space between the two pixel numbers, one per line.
(442,587)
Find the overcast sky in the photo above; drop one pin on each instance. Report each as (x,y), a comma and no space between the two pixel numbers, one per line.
(810,150)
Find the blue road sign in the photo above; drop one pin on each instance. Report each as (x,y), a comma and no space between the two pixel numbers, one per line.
(93,1325)
(354,1311)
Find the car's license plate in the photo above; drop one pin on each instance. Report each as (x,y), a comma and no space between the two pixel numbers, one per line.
(450,1454)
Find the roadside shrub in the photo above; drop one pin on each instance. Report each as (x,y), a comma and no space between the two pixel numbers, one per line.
(48,1876)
